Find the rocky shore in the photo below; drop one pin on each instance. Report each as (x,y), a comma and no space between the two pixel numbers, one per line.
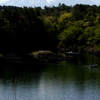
(38,56)
(91,50)
(48,56)
(44,56)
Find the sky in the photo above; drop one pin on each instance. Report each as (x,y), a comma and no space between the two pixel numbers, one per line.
(3,2)
(96,1)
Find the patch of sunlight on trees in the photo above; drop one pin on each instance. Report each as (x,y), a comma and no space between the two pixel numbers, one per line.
(64,17)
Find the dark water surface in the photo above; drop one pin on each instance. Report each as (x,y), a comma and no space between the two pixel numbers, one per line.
(66,80)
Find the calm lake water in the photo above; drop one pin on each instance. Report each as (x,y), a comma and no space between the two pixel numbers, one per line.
(66,80)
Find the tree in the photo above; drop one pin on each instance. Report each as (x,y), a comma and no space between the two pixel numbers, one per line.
(63,20)
(97,36)
(89,36)
(69,37)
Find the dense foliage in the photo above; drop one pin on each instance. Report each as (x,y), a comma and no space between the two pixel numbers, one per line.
(23,30)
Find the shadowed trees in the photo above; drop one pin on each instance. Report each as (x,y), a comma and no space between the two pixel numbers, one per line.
(23,30)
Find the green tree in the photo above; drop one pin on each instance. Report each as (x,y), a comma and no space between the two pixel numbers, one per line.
(69,37)
(97,36)
(89,36)
(63,20)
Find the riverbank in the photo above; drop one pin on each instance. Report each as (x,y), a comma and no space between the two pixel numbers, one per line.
(91,50)
(87,49)
(37,56)
(49,56)
(46,55)
(17,58)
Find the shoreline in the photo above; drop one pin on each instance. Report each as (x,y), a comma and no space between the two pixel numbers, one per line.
(45,56)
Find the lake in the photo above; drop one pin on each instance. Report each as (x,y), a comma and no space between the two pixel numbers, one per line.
(65,80)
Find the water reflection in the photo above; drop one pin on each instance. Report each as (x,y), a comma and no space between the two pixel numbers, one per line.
(67,80)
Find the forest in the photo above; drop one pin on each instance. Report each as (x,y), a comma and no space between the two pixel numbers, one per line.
(27,29)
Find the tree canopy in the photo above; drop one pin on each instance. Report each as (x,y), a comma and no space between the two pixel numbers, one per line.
(26,29)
